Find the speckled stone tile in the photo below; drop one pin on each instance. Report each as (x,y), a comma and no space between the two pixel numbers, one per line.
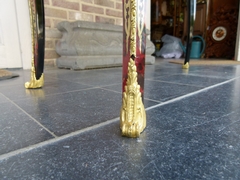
(191,80)
(100,79)
(51,86)
(208,106)
(114,87)
(153,71)
(24,76)
(118,88)
(65,113)
(3,99)
(183,140)
(226,72)
(18,130)
(196,137)
(162,91)
(96,77)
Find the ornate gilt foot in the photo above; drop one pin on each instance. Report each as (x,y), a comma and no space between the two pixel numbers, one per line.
(133,115)
(33,83)
(185,66)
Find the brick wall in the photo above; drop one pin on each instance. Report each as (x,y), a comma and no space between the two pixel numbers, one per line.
(105,11)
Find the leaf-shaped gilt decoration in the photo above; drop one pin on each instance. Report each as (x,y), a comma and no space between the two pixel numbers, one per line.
(133,115)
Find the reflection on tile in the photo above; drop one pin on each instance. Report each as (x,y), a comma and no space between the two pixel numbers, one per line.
(184,151)
(114,87)
(213,105)
(51,86)
(98,77)
(3,98)
(100,80)
(162,91)
(195,137)
(191,80)
(226,72)
(24,76)
(166,68)
(17,130)
(149,103)
(65,113)
(118,88)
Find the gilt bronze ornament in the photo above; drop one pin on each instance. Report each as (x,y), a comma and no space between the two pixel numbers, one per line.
(133,115)
(37,20)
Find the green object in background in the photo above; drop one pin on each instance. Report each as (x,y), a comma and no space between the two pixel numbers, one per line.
(197,48)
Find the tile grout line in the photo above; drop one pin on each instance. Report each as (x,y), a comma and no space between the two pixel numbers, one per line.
(86,84)
(32,117)
(110,85)
(121,93)
(110,90)
(206,76)
(171,82)
(56,139)
(191,94)
(77,90)
(61,93)
(156,101)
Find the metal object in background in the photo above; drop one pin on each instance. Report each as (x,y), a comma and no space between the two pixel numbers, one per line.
(191,10)
(36,9)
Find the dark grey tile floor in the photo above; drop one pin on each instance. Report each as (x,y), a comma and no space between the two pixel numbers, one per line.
(69,129)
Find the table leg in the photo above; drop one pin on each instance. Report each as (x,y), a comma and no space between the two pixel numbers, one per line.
(36,9)
(191,10)
(133,116)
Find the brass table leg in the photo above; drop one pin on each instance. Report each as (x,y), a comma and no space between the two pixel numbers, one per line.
(133,115)
(191,10)
(36,9)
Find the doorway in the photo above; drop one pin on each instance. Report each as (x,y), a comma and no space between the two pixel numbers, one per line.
(15,34)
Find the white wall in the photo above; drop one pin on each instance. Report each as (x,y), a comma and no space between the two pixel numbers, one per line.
(10,52)
(148,15)
(15,34)
(24,32)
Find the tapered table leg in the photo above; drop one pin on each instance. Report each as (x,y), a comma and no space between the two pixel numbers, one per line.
(36,9)
(133,116)
(191,10)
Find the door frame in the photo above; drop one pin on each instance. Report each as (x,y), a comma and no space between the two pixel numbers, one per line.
(15,34)
(237,48)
